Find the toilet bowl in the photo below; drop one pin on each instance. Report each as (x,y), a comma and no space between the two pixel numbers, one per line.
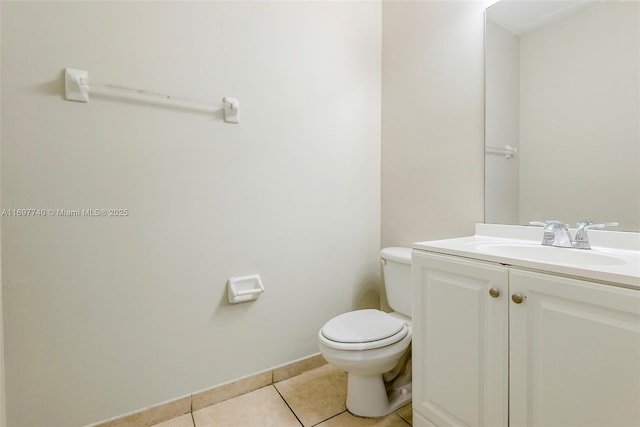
(374,347)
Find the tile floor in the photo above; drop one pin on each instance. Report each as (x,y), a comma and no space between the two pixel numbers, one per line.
(313,398)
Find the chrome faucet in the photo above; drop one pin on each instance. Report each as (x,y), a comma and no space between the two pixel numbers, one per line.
(558,234)
(582,239)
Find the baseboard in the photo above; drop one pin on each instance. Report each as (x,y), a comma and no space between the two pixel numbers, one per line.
(183,405)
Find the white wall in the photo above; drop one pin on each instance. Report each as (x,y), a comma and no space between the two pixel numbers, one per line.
(587,141)
(108,315)
(433,119)
(502,70)
(3,400)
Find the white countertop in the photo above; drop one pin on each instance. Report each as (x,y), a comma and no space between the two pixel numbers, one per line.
(620,247)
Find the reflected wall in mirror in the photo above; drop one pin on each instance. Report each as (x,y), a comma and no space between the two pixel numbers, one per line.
(562,87)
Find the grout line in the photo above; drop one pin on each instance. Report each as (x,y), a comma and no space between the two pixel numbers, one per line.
(408,423)
(193,420)
(287,403)
(403,418)
(333,416)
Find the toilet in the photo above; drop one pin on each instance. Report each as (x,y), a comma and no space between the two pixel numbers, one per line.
(373,346)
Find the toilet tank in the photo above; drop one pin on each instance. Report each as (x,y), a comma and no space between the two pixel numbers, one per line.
(396,268)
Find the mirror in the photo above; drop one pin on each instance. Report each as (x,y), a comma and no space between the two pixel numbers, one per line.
(562,138)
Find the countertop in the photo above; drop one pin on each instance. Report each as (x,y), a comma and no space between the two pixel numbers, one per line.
(620,250)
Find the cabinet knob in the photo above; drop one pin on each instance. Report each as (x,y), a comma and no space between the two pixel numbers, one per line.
(517,298)
(494,292)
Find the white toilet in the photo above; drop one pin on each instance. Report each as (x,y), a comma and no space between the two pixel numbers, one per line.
(374,347)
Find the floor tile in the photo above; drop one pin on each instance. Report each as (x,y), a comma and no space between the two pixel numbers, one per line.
(263,407)
(315,395)
(182,421)
(406,412)
(347,420)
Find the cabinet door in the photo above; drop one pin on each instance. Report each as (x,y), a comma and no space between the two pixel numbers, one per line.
(575,353)
(460,336)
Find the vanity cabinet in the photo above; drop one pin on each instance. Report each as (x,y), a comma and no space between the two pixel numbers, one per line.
(460,341)
(495,345)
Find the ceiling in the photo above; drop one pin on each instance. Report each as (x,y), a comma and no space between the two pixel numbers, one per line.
(520,16)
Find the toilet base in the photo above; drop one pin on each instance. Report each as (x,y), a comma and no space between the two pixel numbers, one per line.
(367,396)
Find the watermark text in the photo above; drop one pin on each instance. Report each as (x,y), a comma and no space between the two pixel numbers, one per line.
(60,212)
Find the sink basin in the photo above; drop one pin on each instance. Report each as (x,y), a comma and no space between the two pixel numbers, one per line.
(614,258)
(550,254)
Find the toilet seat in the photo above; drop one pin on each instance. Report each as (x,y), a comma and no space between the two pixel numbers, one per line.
(363,330)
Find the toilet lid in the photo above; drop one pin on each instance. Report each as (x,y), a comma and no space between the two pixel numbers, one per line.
(362,326)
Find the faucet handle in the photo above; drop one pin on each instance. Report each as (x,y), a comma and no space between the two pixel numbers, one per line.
(550,225)
(545,223)
(582,239)
(588,225)
(584,223)
(550,236)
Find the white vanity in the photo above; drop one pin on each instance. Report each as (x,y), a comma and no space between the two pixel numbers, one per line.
(507,332)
